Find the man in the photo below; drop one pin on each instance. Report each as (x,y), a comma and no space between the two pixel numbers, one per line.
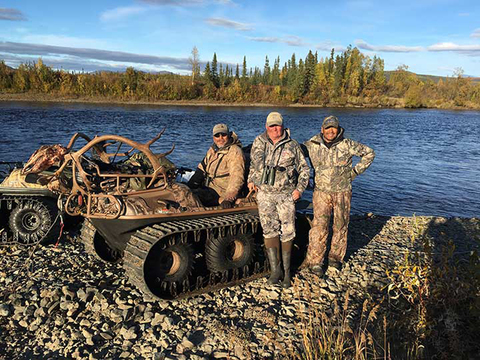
(221,174)
(331,157)
(280,173)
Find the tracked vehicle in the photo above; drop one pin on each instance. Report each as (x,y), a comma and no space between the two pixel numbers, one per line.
(137,213)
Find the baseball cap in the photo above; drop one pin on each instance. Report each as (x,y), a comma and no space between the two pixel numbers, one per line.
(330,121)
(220,128)
(274,118)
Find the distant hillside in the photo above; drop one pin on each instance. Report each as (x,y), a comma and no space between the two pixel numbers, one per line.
(433,78)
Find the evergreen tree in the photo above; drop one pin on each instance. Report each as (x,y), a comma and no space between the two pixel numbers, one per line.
(207,73)
(266,72)
(237,73)
(309,76)
(284,75)
(214,78)
(298,86)
(221,76)
(292,72)
(276,72)
(227,77)
(244,68)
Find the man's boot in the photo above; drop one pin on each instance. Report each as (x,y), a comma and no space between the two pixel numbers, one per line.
(273,249)
(286,258)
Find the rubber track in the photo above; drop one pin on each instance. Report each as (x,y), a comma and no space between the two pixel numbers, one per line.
(87,234)
(141,242)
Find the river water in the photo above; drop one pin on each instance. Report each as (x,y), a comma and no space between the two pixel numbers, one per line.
(427,163)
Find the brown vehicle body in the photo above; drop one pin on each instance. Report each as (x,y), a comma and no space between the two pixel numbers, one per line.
(137,213)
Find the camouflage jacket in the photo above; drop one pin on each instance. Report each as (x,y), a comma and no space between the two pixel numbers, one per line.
(225,168)
(286,156)
(333,166)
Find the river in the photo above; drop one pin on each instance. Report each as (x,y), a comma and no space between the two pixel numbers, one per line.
(427,161)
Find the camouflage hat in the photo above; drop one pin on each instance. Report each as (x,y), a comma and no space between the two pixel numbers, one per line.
(220,128)
(330,121)
(274,118)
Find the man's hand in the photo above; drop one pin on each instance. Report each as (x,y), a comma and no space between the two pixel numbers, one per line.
(226,204)
(296,195)
(251,187)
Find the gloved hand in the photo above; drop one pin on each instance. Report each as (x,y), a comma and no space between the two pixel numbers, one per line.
(225,204)
(196,180)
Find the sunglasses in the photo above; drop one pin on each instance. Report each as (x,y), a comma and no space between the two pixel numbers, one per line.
(220,134)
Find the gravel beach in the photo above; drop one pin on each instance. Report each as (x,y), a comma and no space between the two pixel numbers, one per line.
(60,302)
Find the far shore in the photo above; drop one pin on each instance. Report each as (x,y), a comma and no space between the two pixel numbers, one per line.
(25,97)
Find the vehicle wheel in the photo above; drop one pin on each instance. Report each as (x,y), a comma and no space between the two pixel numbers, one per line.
(95,244)
(32,220)
(230,252)
(171,264)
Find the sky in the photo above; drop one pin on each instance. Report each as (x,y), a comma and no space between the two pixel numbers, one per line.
(434,37)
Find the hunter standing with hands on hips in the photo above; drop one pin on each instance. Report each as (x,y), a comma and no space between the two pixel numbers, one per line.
(279,171)
(331,157)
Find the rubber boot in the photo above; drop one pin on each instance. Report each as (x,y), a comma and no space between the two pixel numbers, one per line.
(272,245)
(286,258)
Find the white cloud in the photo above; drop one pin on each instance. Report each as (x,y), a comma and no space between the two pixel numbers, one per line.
(86,55)
(173,2)
(229,24)
(265,39)
(388,48)
(289,40)
(11,14)
(187,2)
(329,45)
(121,12)
(294,41)
(446,46)
(61,40)
(476,33)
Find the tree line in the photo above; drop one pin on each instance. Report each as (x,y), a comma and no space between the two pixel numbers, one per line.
(349,78)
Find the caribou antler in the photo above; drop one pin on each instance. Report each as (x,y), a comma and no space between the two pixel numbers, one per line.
(97,148)
(148,143)
(75,137)
(165,153)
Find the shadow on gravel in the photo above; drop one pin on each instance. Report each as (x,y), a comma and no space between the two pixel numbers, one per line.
(463,233)
(361,230)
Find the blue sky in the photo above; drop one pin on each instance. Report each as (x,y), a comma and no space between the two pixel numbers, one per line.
(429,36)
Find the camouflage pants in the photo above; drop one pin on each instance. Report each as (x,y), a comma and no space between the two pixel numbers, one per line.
(277,214)
(323,204)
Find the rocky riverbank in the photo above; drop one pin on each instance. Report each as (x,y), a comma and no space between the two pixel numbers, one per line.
(387,102)
(63,303)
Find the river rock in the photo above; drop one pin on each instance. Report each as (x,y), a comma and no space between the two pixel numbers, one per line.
(72,305)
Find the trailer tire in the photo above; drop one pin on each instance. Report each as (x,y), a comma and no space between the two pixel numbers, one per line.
(32,221)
